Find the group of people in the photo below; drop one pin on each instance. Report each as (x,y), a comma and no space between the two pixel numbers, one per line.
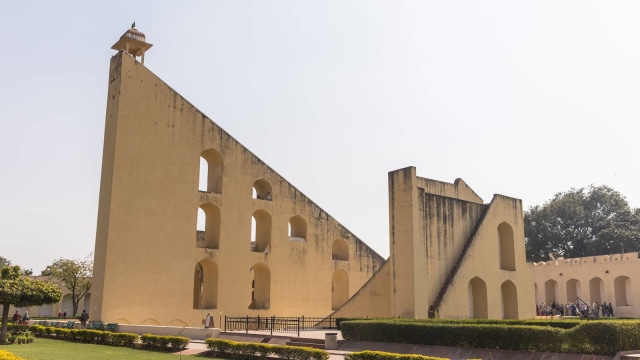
(21,319)
(24,319)
(580,308)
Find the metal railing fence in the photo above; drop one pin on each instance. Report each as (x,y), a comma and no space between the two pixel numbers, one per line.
(277,324)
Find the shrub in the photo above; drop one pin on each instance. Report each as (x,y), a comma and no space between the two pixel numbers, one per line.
(164,343)
(603,337)
(179,343)
(38,330)
(226,348)
(148,341)
(124,339)
(5,355)
(220,346)
(379,355)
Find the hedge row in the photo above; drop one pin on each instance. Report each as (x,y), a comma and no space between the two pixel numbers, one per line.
(86,335)
(564,324)
(238,350)
(5,355)
(379,355)
(594,337)
(164,343)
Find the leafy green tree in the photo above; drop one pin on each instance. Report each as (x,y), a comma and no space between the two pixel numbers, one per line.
(4,262)
(588,221)
(21,292)
(75,275)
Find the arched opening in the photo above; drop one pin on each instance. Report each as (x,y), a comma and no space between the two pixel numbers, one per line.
(622,288)
(46,310)
(208,227)
(261,232)
(339,289)
(205,285)
(478,307)
(67,305)
(340,250)
(210,171)
(150,321)
(262,190)
(596,288)
(509,300)
(177,323)
(87,303)
(550,288)
(261,287)
(297,229)
(573,290)
(507,247)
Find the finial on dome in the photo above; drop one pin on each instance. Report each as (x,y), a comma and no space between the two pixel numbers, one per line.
(133,25)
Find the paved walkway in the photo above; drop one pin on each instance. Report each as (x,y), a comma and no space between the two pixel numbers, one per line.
(345,347)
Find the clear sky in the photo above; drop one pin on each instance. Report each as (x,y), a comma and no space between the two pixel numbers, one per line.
(521,98)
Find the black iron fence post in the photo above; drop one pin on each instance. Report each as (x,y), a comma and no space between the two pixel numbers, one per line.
(298,327)
(225,323)
(273,320)
(247,325)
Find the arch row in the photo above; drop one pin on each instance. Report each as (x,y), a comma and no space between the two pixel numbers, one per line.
(205,286)
(479,303)
(208,227)
(211,171)
(593,292)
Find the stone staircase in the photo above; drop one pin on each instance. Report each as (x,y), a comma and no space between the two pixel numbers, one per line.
(452,274)
(307,342)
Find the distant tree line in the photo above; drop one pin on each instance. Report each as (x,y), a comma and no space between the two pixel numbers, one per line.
(596,220)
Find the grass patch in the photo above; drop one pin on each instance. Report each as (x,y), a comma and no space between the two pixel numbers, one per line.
(48,349)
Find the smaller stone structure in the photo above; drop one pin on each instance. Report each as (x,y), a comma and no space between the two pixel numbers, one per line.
(604,278)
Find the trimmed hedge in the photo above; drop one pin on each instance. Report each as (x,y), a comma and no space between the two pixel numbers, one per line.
(380,355)
(5,355)
(239,350)
(564,324)
(164,343)
(87,336)
(602,337)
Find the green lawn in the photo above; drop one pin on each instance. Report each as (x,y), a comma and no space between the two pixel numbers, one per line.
(47,349)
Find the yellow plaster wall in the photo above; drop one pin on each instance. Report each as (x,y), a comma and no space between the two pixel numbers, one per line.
(606,267)
(146,252)
(372,300)
(430,223)
(483,260)
(448,224)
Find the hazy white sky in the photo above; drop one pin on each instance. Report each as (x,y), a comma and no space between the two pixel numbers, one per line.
(522,98)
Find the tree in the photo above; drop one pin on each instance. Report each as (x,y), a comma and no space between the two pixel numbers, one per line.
(4,262)
(75,275)
(582,222)
(20,292)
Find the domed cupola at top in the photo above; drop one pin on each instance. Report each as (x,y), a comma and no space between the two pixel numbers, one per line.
(133,42)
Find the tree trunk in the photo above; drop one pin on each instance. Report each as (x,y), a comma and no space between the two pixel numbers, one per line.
(5,322)
(76,302)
